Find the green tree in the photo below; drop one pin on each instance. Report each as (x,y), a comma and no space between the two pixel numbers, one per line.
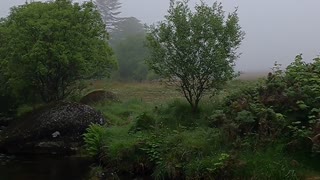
(48,47)
(131,53)
(195,50)
(128,43)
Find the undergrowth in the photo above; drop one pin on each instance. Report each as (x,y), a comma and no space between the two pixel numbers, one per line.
(261,129)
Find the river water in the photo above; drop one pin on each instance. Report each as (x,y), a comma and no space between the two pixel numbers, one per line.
(43,168)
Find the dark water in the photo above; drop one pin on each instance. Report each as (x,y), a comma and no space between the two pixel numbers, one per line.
(43,168)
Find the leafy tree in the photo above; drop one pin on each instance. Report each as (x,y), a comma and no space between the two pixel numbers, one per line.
(131,54)
(47,48)
(195,50)
(109,11)
(129,47)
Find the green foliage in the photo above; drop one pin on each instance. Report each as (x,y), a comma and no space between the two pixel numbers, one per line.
(128,44)
(122,113)
(210,167)
(217,118)
(244,132)
(303,80)
(307,75)
(298,130)
(144,122)
(94,139)
(176,113)
(131,54)
(195,50)
(121,144)
(122,150)
(297,95)
(152,148)
(177,153)
(245,117)
(24,109)
(269,164)
(50,46)
(244,113)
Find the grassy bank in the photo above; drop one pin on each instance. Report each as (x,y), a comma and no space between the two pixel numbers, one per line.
(153,132)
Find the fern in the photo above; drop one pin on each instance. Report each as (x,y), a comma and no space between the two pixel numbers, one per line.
(94,139)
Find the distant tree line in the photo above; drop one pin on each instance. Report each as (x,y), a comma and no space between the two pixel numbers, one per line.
(127,38)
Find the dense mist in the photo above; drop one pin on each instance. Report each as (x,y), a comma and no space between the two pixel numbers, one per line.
(275,30)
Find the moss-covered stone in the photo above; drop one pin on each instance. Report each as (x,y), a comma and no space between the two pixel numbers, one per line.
(98,96)
(53,129)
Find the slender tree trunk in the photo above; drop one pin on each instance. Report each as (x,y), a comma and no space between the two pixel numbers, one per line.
(195,107)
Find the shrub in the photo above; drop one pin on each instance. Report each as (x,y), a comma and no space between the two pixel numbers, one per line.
(143,122)
(181,147)
(177,113)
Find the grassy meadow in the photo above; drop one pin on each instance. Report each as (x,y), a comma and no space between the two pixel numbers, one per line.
(153,133)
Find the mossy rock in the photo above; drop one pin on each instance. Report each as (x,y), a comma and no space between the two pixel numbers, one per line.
(98,96)
(53,129)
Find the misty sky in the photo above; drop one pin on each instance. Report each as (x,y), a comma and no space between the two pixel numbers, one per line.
(275,30)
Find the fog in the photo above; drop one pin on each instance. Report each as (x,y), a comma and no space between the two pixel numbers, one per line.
(275,30)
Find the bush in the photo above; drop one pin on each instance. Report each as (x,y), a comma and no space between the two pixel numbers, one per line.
(177,113)
(177,149)
(143,122)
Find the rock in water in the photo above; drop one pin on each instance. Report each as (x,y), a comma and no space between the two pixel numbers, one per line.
(53,129)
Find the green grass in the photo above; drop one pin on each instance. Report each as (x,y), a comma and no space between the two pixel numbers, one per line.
(267,164)
(148,92)
(154,130)
(122,113)
(25,108)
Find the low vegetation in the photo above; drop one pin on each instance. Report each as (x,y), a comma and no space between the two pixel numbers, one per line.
(263,129)
(222,128)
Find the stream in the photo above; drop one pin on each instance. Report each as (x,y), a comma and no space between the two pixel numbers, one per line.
(43,168)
